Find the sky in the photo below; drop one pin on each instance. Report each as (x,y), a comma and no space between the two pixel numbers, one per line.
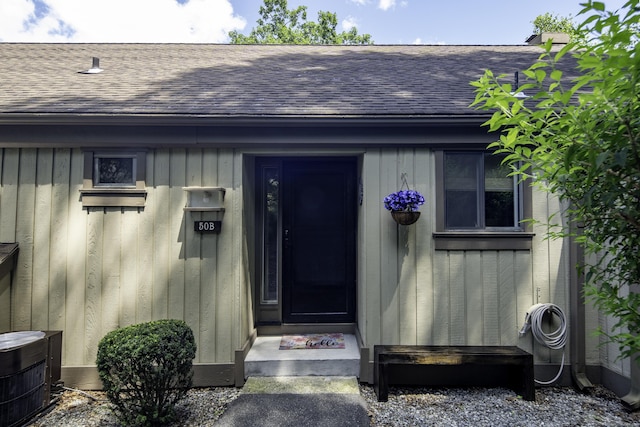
(475,22)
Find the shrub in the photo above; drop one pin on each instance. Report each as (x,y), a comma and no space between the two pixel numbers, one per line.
(145,369)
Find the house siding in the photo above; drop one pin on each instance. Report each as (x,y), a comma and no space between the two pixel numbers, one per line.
(410,293)
(89,271)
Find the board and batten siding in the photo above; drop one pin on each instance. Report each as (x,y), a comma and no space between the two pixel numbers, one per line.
(90,271)
(409,293)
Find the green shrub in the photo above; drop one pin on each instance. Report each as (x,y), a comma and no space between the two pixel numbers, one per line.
(146,369)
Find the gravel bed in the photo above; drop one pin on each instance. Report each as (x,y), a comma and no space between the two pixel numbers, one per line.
(406,407)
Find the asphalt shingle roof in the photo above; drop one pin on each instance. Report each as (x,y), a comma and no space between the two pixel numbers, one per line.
(259,80)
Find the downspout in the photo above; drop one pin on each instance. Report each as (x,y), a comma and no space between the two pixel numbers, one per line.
(632,399)
(577,314)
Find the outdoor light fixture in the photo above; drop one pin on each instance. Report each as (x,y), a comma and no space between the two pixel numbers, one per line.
(205,199)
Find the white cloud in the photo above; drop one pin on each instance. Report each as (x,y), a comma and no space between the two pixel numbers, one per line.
(360,2)
(386,4)
(160,21)
(349,23)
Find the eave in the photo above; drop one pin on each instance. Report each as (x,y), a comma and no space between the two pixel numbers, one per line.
(37,119)
(149,131)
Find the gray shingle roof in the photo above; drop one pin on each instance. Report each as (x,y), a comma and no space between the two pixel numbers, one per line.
(233,80)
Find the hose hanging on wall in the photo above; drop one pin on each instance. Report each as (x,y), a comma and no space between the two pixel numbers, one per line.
(555,340)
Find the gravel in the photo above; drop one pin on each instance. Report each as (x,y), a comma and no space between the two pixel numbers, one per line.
(406,407)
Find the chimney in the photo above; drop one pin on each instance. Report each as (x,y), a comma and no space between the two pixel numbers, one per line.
(557,38)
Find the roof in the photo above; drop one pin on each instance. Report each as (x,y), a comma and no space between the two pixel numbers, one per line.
(248,80)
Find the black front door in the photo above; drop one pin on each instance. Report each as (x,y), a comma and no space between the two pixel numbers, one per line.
(319,232)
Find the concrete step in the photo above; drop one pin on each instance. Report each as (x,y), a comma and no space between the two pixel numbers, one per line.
(265,359)
(301,385)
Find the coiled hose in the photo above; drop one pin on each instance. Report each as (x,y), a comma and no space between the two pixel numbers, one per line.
(555,340)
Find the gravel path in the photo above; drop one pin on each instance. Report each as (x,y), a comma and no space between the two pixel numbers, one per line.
(406,407)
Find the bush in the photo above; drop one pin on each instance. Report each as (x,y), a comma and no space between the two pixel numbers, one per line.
(146,369)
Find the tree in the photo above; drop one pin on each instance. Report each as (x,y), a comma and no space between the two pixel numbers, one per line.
(279,25)
(581,141)
(548,23)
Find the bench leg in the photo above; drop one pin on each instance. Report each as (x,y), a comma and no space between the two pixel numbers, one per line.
(522,381)
(528,386)
(382,385)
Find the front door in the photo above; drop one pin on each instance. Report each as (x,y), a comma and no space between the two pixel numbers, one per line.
(316,199)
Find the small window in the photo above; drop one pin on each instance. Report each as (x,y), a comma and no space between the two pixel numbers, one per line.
(114,178)
(479,194)
(479,206)
(114,170)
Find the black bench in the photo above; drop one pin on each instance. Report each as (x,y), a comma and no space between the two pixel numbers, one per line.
(517,363)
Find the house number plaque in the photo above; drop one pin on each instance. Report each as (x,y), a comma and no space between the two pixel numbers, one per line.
(207,226)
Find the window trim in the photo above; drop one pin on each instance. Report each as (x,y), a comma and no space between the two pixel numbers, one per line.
(97,195)
(485,239)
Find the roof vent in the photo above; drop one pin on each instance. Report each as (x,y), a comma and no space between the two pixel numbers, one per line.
(516,83)
(95,67)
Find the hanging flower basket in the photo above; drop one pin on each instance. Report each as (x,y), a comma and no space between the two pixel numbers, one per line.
(404,206)
(405,217)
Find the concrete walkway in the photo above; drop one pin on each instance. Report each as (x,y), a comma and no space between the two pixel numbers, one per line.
(297,401)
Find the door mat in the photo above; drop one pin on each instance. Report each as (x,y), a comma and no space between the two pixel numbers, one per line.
(312,342)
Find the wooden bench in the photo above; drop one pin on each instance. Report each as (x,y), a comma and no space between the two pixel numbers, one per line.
(517,364)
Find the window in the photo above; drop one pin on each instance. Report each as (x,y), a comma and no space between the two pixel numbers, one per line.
(479,194)
(114,178)
(479,206)
(114,170)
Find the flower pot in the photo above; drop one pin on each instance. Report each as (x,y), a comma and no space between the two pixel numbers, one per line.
(405,217)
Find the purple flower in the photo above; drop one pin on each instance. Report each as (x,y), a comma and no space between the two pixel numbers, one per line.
(403,200)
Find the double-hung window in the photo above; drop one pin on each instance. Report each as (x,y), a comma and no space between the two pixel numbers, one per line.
(479,206)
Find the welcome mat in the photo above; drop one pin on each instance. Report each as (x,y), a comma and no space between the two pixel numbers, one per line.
(312,342)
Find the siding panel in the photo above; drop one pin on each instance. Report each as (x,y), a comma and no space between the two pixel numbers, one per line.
(159,208)
(407,289)
(208,282)
(490,298)
(177,198)
(424,178)
(93,293)
(59,239)
(372,216)
(192,249)
(77,279)
(41,240)
(9,193)
(22,292)
(441,298)
(389,257)
(227,260)
(474,297)
(146,238)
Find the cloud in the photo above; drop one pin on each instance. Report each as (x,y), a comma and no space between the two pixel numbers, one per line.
(386,4)
(360,2)
(142,21)
(349,23)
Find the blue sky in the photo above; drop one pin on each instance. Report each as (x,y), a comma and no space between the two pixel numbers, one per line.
(209,21)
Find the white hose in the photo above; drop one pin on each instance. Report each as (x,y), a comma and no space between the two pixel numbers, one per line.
(555,340)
